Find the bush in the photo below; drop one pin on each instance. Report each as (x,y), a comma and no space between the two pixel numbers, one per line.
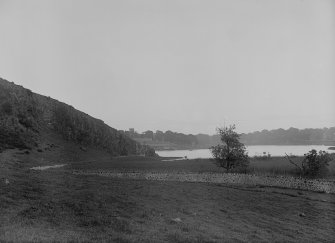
(11,139)
(7,108)
(314,164)
(150,152)
(26,121)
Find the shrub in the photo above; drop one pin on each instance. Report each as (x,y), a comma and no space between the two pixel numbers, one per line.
(7,108)
(314,164)
(12,139)
(26,121)
(150,152)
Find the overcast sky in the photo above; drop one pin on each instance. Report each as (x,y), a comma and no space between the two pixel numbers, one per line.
(181,65)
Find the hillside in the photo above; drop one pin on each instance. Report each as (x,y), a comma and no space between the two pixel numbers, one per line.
(28,119)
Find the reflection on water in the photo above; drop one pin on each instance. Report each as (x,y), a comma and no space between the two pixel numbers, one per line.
(274,150)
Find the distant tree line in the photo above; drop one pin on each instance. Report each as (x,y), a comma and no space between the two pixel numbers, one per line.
(168,136)
(291,136)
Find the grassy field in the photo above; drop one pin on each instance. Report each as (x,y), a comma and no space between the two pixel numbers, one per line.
(281,166)
(272,166)
(55,205)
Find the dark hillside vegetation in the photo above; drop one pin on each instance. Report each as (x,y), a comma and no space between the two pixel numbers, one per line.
(25,117)
(19,117)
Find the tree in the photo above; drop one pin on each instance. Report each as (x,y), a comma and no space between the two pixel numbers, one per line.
(232,153)
(148,134)
(314,164)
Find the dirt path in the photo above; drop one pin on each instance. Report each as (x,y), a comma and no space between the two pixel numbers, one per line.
(47,167)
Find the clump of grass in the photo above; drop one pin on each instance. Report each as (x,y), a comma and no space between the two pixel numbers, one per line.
(272,171)
(280,166)
(265,156)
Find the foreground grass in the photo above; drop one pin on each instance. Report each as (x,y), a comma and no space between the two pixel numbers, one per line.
(55,205)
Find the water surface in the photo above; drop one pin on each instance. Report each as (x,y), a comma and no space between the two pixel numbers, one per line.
(274,150)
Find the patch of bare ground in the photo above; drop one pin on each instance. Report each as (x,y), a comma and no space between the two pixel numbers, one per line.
(55,205)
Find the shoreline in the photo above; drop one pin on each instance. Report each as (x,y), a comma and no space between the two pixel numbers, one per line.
(247,145)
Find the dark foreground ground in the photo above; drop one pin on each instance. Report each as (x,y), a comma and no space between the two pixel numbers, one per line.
(55,205)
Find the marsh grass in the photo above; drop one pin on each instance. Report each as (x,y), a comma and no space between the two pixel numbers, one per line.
(281,166)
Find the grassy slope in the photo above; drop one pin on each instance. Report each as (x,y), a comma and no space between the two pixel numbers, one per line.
(56,205)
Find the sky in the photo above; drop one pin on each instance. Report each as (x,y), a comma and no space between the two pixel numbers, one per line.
(182,65)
